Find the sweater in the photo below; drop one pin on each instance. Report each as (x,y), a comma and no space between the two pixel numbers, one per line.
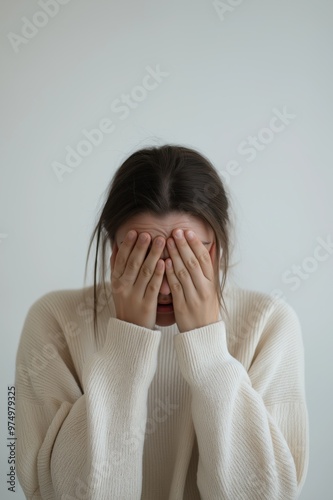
(218,412)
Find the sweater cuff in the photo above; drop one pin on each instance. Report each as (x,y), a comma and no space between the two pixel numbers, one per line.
(202,351)
(131,348)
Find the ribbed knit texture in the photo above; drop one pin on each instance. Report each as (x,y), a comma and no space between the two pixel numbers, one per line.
(214,413)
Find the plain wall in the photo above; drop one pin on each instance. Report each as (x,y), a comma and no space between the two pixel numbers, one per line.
(224,77)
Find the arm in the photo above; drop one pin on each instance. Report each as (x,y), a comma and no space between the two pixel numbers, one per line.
(251,427)
(70,439)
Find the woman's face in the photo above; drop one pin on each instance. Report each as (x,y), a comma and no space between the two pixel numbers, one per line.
(163,226)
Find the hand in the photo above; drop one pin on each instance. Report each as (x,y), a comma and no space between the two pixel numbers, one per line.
(136,279)
(191,281)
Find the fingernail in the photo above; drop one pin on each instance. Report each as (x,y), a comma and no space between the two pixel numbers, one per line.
(178,233)
(159,242)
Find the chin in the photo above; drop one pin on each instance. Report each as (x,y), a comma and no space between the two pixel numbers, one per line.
(165,319)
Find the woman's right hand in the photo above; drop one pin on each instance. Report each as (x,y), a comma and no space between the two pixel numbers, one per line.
(136,279)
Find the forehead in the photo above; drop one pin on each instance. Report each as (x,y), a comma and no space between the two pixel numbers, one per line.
(164,225)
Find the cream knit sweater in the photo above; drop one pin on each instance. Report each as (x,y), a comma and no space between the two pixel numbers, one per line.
(213,413)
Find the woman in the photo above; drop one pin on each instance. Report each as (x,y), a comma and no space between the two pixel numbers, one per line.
(165,383)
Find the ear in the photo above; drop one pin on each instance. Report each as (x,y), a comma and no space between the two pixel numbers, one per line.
(113,255)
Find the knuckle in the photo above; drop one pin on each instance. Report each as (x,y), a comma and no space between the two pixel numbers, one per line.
(204,257)
(118,288)
(183,273)
(146,271)
(133,265)
(115,275)
(176,287)
(153,287)
(192,263)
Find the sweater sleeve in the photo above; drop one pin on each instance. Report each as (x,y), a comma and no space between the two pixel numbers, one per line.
(251,426)
(82,439)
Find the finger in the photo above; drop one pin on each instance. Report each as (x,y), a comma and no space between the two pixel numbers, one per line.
(116,284)
(175,285)
(201,253)
(181,272)
(149,265)
(123,253)
(186,265)
(136,258)
(154,285)
(127,257)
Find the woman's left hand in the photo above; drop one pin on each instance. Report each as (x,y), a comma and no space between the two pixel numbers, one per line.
(191,281)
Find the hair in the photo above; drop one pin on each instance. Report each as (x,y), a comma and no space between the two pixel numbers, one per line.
(159,180)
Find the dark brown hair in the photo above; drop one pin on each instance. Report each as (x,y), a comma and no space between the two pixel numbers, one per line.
(159,180)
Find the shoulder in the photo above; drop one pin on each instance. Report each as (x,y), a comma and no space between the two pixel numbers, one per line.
(61,310)
(58,302)
(254,316)
(250,303)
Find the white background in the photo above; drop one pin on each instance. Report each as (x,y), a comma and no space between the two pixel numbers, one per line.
(226,74)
